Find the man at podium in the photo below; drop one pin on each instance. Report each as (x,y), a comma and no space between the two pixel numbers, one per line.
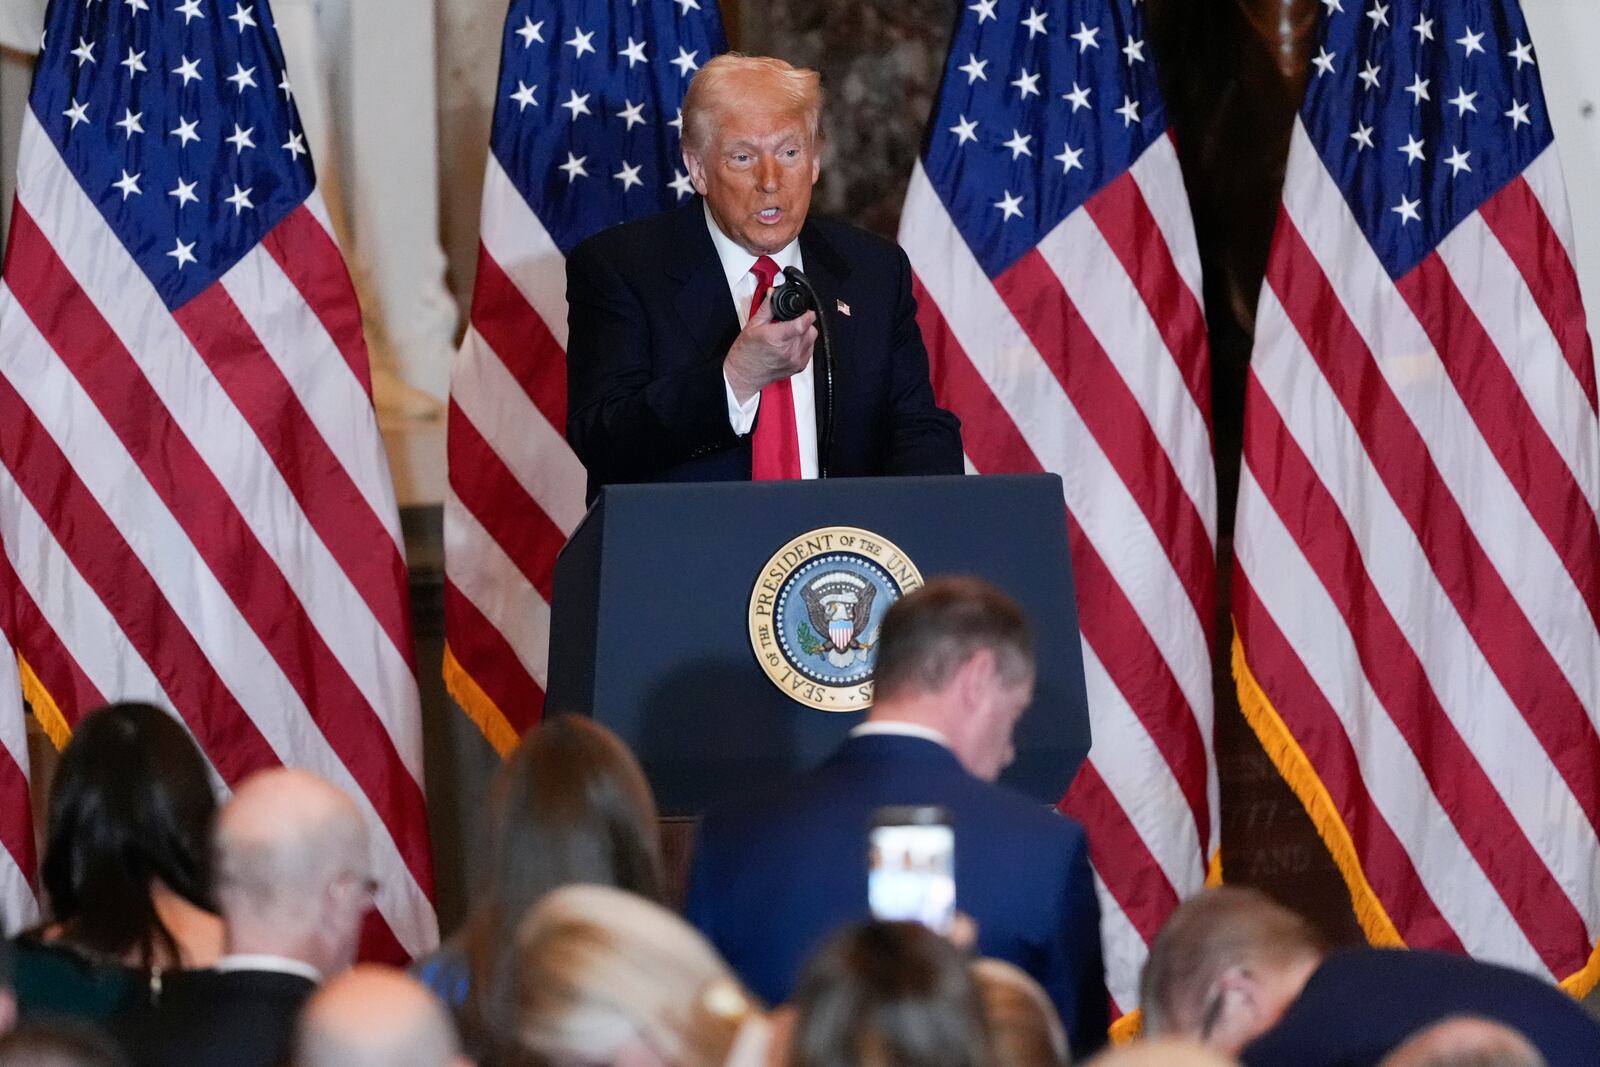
(676,367)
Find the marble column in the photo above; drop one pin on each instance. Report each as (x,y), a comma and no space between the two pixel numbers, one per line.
(1565,33)
(469,61)
(21,22)
(363,72)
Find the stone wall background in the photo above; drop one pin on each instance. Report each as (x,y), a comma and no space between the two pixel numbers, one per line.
(880,62)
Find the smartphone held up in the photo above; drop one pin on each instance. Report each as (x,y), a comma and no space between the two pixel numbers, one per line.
(911,873)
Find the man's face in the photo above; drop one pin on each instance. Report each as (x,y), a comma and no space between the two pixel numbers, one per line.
(1006,701)
(757,173)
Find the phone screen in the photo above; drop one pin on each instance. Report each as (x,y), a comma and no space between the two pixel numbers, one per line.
(911,867)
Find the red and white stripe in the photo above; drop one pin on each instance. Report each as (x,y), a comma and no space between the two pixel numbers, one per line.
(516,488)
(1418,579)
(196,510)
(1088,358)
(18,907)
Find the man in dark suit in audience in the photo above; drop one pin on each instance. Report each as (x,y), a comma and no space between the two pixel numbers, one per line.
(293,884)
(1251,978)
(8,999)
(676,371)
(773,878)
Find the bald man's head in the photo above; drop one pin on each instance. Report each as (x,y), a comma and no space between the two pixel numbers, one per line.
(293,870)
(1466,1041)
(373,1016)
(1161,1052)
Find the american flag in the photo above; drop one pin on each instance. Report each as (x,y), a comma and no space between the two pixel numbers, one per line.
(1059,294)
(585,135)
(18,906)
(194,502)
(1416,593)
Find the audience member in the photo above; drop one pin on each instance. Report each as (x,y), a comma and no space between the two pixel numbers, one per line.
(373,1016)
(884,994)
(569,805)
(58,1043)
(1249,977)
(773,877)
(1468,1041)
(1024,1029)
(126,871)
(1161,1052)
(293,884)
(605,977)
(8,1000)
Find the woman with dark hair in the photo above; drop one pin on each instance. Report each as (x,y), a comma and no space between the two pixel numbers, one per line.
(127,866)
(888,994)
(569,805)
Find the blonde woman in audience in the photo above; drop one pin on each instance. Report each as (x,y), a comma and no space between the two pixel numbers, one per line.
(1024,1029)
(606,978)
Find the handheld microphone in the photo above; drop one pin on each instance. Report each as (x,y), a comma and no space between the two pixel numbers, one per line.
(793,297)
(790,300)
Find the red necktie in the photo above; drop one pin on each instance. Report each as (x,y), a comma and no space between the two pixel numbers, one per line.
(775,448)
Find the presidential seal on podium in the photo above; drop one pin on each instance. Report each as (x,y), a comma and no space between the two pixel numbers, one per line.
(815,612)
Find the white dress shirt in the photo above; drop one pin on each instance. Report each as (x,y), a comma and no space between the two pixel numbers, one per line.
(736,264)
(255,961)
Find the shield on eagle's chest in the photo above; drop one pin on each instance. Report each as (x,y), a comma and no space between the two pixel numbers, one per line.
(841,631)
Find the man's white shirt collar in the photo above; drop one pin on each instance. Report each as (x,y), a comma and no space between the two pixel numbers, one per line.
(891,728)
(736,262)
(256,961)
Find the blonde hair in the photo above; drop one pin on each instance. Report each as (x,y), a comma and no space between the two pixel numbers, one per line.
(729,80)
(1024,1029)
(598,967)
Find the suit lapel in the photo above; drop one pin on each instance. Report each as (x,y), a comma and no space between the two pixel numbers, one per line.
(702,300)
(827,271)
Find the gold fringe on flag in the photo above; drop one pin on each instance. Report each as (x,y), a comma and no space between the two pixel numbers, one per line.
(45,708)
(465,691)
(1296,769)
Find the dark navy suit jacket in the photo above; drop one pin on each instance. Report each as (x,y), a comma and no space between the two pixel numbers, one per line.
(1362,1003)
(773,878)
(650,320)
(239,1018)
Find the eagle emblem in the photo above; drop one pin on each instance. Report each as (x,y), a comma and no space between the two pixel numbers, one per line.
(811,616)
(839,606)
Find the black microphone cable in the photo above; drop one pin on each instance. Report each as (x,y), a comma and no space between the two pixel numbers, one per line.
(790,300)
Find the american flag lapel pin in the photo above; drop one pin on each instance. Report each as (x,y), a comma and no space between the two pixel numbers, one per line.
(844,309)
